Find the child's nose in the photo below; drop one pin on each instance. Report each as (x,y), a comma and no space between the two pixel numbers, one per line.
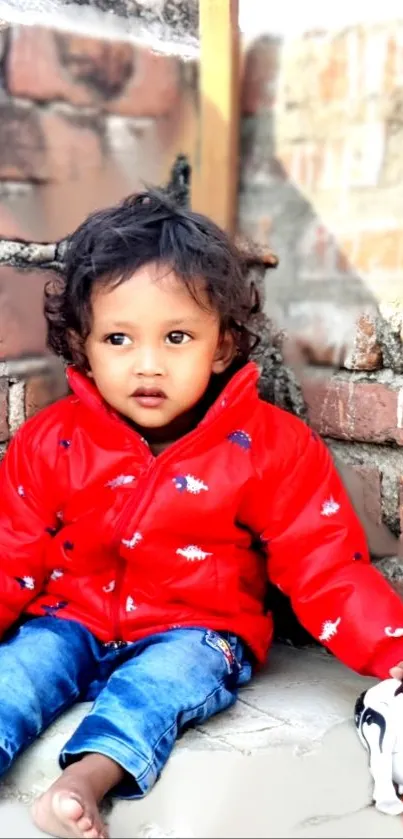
(148,362)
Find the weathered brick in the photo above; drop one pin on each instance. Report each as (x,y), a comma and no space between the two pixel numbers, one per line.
(365,411)
(4,432)
(113,76)
(41,391)
(391,63)
(22,143)
(304,163)
(333,74)
(366,352)
(50,146)
(379,250)
(371,485)
(74,146)
(22,327)
(261,67)
(328,332)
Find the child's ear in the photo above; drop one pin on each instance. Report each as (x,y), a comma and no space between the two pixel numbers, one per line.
(225,352)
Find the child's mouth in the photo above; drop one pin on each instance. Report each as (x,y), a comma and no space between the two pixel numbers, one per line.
(149,397)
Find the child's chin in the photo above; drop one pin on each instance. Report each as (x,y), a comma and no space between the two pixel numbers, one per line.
(151,419)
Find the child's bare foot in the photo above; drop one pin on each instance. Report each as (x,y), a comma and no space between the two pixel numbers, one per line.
(70,807)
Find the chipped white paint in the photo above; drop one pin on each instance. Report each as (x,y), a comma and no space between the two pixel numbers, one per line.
(156,33)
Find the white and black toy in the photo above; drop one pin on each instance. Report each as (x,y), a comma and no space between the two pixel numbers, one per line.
(379,721)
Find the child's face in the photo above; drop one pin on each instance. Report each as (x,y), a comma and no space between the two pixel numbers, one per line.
(152,348)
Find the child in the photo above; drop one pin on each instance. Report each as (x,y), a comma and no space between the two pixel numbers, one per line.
(142,516)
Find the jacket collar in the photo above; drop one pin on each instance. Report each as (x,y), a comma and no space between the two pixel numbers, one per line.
(237,397)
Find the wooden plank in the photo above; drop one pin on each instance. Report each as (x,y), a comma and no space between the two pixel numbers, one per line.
(215,178)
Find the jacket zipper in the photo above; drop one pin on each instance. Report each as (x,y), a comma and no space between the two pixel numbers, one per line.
(156,466)
(120,572)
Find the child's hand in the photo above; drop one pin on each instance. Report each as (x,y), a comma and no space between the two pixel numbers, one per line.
(397,671)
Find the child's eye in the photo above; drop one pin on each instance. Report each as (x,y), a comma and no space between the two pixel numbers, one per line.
(178,338)
(118,339)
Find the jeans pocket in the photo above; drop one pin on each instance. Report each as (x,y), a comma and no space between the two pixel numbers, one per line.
(227,651)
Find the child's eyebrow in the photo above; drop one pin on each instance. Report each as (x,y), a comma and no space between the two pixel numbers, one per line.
(185,321)
(167,324)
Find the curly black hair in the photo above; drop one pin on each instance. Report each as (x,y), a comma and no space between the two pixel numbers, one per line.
(113,243)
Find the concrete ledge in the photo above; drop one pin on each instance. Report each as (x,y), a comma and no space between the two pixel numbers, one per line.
(284,762)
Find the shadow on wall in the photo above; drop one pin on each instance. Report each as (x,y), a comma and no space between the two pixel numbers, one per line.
(309,167)
(331,311)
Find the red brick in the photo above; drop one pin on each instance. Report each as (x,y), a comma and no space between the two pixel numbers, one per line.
(22,148)
(4,433)
(22,326)
(49,146)
(333,75)
(366,353)
(261,66)
(21,318)
(43,390)
(353,410)
(73,145)
(84,71)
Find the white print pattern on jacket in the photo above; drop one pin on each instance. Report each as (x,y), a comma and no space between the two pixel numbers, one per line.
(21,491)
(130,604)
(56,573)
(329,629)
(29,582)
(120,481)
(190,484)
(131,543)
(193,553)
(394,633)
(109,587)
(329,507)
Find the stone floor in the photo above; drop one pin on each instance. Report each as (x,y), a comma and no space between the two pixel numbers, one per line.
(284,762)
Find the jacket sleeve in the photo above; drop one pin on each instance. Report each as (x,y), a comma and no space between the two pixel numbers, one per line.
(25,519)
(318,556)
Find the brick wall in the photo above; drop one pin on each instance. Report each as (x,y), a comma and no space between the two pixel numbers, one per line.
(322,181)
(83,122)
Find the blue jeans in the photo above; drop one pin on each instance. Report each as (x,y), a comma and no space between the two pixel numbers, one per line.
(145,693)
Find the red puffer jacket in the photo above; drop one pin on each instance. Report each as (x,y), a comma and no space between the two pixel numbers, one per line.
(94,528)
